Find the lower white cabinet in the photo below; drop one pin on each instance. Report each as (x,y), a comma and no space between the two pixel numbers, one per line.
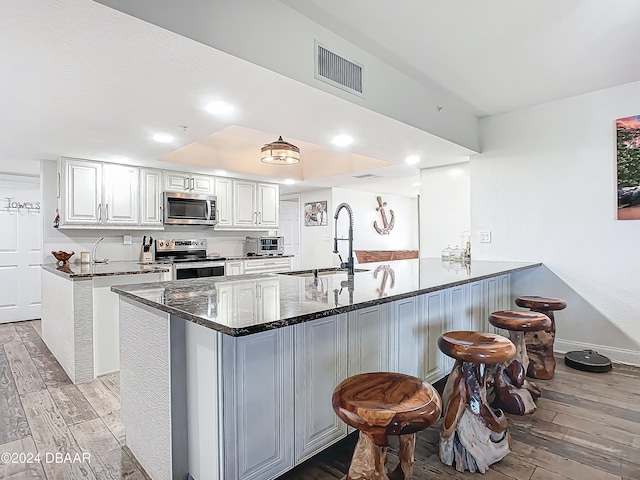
(267,265)
(234,267)
(368,335)
(321,364)
(257,405)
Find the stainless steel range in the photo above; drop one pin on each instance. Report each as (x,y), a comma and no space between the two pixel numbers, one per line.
(188,258)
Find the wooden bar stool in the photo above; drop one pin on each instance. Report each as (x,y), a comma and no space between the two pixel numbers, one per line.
(381,404)
(473,435)
(513,393)
(542,363)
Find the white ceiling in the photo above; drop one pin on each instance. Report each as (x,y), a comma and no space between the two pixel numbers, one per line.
(82,80)
(497,55)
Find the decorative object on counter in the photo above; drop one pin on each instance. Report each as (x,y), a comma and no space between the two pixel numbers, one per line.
(628,156)
(587,361)
(280,153)
(456,254)
(380,404)
(62,257)
(542,362)
(465,242)
(387,272)
(387,225)
(94,259)
(85,257)
(473,436)
(315,213)
(56,220)
(14,206)
(513,393)
(146,255)
(368,256)
(446,254)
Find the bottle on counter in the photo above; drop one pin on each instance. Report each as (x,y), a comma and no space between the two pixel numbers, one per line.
(446,254)
(467,252)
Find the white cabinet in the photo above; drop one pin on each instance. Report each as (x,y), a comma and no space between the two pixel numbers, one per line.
(433,310)
(224,201)
(81,192)
(412,336)
(267,265)
(321,364)
(255,205)
(369,340)
(151,197)
(257,404)
(187,182)
(234,267)
(120,194)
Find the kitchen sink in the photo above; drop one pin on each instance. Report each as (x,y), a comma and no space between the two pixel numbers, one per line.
(321,271)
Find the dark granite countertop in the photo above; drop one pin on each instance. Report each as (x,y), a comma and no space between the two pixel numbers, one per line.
(89,270)
(280,300)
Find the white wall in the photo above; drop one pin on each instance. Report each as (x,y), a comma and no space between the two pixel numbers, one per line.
(546,188)
(316,242)
(22,167)
(444,208)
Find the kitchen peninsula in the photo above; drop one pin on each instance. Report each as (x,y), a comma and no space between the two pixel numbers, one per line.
(231,378)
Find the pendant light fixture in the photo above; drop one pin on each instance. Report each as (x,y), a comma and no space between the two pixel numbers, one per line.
(280,153)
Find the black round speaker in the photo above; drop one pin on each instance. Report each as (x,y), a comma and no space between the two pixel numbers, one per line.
(588,361)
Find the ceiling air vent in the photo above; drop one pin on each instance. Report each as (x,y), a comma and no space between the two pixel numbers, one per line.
(335,70)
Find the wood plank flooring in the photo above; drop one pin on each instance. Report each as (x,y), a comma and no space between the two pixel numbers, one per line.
(587,426)
(41,411)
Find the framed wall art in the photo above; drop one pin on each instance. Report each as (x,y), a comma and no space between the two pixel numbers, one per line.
(628,167)
(315,214)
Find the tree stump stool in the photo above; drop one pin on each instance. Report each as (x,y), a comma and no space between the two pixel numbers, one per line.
(473,435)
(381,404)
(512,392)
(542,363)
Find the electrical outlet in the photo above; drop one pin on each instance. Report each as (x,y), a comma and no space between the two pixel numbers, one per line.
(484,236)
(126,239)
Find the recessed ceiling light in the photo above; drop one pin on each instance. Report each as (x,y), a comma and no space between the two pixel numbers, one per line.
(220,173)
(219,108)
(415,185)
(289,181)
(342,140)
(412,160)
(163,137)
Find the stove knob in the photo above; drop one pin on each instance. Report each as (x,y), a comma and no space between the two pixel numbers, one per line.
(162,244)
(202,242)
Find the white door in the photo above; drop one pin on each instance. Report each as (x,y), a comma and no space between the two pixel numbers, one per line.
(290,230)
(20,249)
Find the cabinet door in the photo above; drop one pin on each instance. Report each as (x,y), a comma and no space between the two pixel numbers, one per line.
(433,310)
(224,201)
(269,301)
(258,404)
(244,204)
(82,192)
(320,358)
(151,197)
(202,184)
(268,205)
(121,189)
(176,181)
(369,333)
(234,268)
(412,337)
(477,307)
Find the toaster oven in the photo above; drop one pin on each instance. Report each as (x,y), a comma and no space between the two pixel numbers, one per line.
(264,246)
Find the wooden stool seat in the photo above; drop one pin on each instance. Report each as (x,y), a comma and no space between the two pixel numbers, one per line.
(511,390)
(474,436)
(519,321)
(476,347)
(539,344)
(381,404)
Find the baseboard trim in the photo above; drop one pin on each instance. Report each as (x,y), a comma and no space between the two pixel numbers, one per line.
(619,355)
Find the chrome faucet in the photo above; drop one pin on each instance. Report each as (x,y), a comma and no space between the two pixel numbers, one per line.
(349,263)
(93,253)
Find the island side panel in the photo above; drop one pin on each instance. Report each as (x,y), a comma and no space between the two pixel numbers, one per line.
(83,331)
(145,389)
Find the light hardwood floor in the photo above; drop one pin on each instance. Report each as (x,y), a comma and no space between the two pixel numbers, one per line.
(41,411)
(587,426)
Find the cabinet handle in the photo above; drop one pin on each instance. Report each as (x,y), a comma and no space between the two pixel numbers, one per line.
(260,216)
(193,183)
(106,212)
(99,212)
(58,189)
(160,209)
(256,215)
(217,214)
(185,183)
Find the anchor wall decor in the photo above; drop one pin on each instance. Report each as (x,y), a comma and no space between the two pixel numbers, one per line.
(387,226)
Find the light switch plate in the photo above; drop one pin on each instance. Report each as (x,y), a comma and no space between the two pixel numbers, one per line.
(484,236)
(126,239)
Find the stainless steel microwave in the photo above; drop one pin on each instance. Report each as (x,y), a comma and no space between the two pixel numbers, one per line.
(264,246)
(189,209)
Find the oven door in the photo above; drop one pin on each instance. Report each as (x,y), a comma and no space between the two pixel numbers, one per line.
(182,271)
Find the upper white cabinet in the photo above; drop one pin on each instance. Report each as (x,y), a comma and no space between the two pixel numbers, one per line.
(107,195)
(255,205)
(224,201)
(81,193)
(188,182)
(151,197)
(120,194)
